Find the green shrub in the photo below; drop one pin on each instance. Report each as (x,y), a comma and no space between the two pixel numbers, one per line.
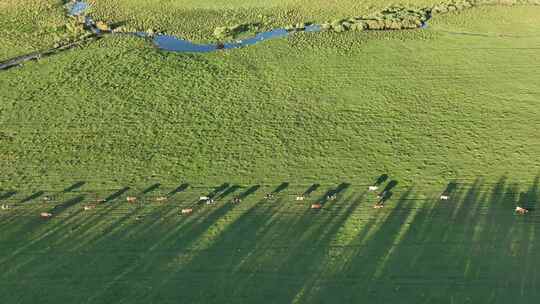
(338,28)
(326,26)
(358,26)
(222,32)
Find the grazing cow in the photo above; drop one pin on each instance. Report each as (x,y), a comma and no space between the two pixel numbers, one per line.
(316,206)
(89,207)
(300,198)
(378,206)
(445,197)
(382,195)
(203,198)
(131,199)
(236,200)
(373,188)
(187,211)
(161,198)
(210,201)
(269,196)
(100,201)
(45,215)
(521,211)
(5,207)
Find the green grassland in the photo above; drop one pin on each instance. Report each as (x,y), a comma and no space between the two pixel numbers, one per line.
(457,101)
(196,20)
(33,25)
(424,105)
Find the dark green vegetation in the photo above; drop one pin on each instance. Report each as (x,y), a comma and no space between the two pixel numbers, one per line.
(457,101)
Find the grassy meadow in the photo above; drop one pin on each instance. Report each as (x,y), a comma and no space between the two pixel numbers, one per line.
(456,102)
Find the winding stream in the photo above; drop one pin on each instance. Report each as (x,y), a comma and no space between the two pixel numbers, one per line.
(77,8)
(176,44)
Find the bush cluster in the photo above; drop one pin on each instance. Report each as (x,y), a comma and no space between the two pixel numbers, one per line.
(296,27)
(459,5)
(394,17)
(506,2)
(231,31)
(452,6)
(391,18)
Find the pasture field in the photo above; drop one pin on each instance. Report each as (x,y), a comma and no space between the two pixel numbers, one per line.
(456,102)
(470,249)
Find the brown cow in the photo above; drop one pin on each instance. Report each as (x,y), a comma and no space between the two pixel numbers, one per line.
(45,215)
(316,206)
(131,199)
(187,211)
(521,211)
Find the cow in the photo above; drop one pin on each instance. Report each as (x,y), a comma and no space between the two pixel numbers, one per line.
(445,197)
(521,211)
(316,206)
(187,211)
(161,198)
(131,199)
(45,215)
(300,198)
(89,207)
(373,188)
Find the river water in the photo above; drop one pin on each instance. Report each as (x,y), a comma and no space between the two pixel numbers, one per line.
(177,44)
